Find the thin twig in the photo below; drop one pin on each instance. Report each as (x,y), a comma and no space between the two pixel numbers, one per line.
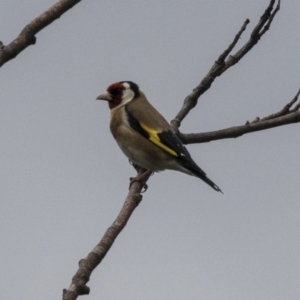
(234,132)
(223,56)
(259,30)
(268,25)
(284,111)
(220,66)
(287,115)
(27,35)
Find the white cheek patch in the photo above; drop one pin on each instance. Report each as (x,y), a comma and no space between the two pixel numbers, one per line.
(128,94)
(126,85)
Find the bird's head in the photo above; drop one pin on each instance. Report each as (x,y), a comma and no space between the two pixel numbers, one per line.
(120,93)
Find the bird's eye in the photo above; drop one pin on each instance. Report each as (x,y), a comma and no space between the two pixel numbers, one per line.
(118,91)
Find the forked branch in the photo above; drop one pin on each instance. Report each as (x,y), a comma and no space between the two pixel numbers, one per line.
(222,64)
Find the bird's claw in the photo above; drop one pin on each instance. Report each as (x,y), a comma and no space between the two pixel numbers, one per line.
(137,179)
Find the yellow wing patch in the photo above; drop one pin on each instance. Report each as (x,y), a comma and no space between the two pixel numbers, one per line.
(154,138)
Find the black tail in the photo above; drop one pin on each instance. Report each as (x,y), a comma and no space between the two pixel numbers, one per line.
(209,182)
(198,172)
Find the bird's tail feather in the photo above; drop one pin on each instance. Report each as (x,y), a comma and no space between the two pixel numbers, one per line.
(210,183)
(196,171)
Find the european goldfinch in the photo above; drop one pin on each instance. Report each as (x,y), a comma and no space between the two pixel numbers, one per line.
(144,135)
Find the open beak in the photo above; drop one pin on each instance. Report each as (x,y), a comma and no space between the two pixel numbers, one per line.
(105,96)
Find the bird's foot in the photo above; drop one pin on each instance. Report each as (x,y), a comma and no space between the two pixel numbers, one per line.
(136,179)
(141,179)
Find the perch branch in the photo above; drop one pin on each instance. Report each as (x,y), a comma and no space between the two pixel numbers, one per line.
(87,265)
(27,35)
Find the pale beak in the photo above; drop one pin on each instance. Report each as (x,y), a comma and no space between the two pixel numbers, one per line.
(105,96)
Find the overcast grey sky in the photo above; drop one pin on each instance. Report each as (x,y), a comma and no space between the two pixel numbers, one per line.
(64,179)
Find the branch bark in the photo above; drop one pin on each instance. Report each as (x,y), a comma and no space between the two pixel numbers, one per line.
(287,115)
(27,35)
(87,265)
(234,132)
(222,65)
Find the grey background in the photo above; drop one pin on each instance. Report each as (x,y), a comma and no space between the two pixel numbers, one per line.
(64,180)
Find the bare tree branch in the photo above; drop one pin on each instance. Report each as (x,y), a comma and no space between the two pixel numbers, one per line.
(286,110)
(87,265)
(220,66)
(27,35)
(266,19)
(287,115)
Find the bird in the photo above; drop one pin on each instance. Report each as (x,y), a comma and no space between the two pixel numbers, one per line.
(145,136)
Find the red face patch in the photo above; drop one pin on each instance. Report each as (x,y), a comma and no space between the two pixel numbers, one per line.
(116,91)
